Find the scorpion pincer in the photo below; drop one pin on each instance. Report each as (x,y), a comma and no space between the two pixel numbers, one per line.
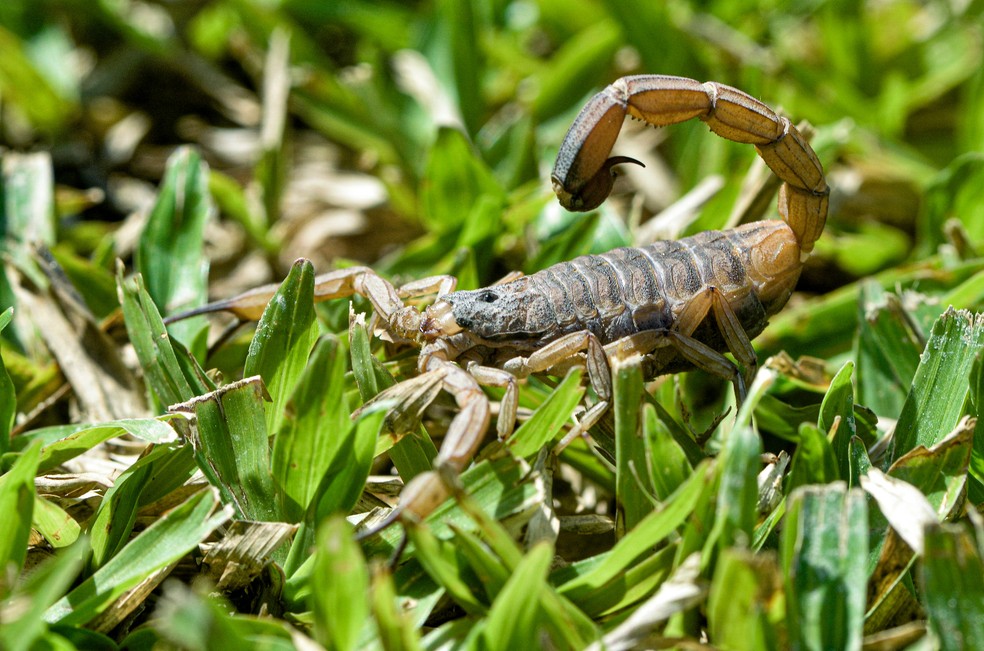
(678,304)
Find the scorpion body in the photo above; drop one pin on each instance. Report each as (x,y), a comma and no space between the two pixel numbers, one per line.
(631,290)
(678,304)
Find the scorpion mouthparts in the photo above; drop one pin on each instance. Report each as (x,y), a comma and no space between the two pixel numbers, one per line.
(439,320)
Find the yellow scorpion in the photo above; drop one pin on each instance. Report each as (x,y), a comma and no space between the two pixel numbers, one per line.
(678,304)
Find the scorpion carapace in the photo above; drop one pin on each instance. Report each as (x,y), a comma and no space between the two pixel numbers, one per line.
(679,304)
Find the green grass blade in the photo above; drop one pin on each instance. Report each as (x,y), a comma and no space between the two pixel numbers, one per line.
(783,420)
(737,496)
(634,492)
(170,373)
(283,340)
(745,594)
(8,398)
(500,488)
(813,461)
(232,202)
(654,528)
(68,442)
(638,581)
(824,555)
(910,514)
(27,194)
(830,321)
(170,253)
(162,543)
(459,53)
(566,621)
(515,614)
(576,238)
(170,473)
(887,350)
(345,478)
(112,524)
(55,524)
(412,454)
(35,594)
(678,594)
(838,403)
(668,463)
(860,461)
(396,630)
(457,178)
(232,439)
(29,89)
(954,191)
(271,169)
(939,390)
(491,571)
(977,406)
(447,566)
(413,583)
(953,587)
(312,435)
(95,284)
(370,376)
(340,599)
(577,66)
(939,472)
(17,502)
(191,620)
(639,20)
(547,421)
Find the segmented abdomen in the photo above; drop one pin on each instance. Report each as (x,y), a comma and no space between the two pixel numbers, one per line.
(629,290)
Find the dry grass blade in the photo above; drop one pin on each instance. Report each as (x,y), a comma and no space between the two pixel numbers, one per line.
(244,550)
(679,592)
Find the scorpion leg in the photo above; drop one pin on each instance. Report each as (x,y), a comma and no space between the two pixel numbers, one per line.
(711,300)
(400,319)
(249,305)
(439,285)
(427,491)
(561,350)
(494,377)
(734,334)
(696,352)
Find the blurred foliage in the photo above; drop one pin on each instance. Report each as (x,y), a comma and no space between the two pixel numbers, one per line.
(227,138)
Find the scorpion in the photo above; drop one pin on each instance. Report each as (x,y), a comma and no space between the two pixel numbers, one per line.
(676,304)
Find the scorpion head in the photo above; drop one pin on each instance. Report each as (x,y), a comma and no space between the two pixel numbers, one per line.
(499,312)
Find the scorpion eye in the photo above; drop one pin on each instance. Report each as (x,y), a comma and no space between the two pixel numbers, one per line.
(488,297)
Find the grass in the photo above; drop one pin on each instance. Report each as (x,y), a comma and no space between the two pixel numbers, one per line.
(161,491)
